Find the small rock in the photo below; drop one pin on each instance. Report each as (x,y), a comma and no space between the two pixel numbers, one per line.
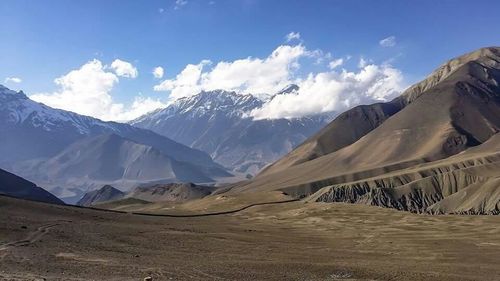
(149,278)
(24,227)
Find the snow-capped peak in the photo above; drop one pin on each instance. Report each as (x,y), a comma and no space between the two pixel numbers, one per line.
(207,103)
(16,108)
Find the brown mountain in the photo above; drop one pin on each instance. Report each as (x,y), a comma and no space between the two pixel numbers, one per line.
(435,143)
(170,192)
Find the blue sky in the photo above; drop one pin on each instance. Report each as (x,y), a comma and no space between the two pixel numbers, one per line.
(44,40)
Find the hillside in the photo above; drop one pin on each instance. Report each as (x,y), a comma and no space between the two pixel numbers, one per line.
(455,110)
(16,186)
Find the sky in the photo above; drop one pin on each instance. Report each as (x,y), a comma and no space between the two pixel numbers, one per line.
(117,60)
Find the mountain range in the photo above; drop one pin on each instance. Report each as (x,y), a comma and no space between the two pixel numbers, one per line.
(219,123)
(69,153)
(435,149)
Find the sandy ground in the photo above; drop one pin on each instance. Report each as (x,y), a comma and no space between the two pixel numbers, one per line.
(292,241)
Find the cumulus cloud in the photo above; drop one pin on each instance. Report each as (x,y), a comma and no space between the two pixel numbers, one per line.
(388,42)
(179,4)
(186,83)
(87,91)
(326,90)
(158,72)
(334,91)
(124,69)
(292,36)
(13,80)
(251,75)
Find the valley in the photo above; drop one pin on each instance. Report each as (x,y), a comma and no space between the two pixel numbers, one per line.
(249,140)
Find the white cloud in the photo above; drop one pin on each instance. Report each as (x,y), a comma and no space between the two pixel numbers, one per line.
(124,69)
(179,4)
(161,10)
(186,83)
(250,75)
(335,91)
(292,36)
(336,63)
(388,42)
(87,91)
(321,91)
(13,80)
(158,72)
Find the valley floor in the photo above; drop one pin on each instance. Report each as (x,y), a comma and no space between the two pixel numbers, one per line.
(290,241)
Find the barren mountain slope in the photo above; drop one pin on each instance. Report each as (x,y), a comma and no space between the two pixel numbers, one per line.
(171,192)
(459,112)
(350,126)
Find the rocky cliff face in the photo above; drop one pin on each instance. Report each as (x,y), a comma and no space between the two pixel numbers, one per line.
(452,186)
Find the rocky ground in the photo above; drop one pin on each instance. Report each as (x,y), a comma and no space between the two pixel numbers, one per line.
(291,241)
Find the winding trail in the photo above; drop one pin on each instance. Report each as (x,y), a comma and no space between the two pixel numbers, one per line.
(214,213)
(157,215)
(37,234)
(188,216)
(32,237)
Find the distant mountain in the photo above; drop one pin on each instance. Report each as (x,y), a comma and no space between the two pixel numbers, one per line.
(435,149)
(35,135)
(147,193)
(113,159)
(104,194)
(217,122)
(172,192)
(16,186)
